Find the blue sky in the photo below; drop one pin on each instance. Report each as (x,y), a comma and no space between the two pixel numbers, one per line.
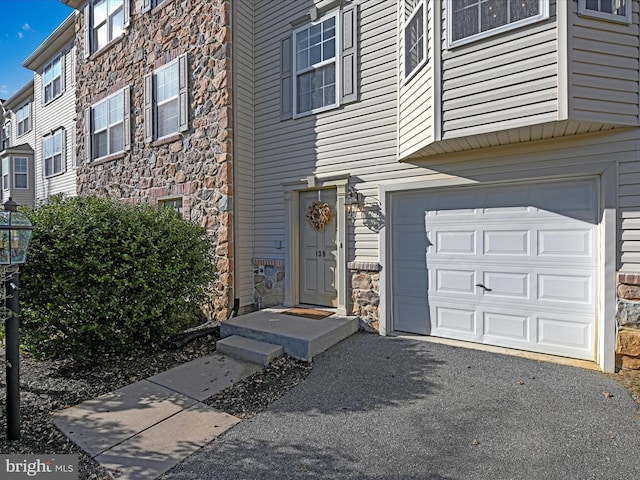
(25,25)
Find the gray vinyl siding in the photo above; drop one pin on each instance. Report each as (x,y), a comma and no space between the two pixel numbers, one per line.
(416,98)
(504,81)
(604,69)
(358,138)
(58,113)
(243,60)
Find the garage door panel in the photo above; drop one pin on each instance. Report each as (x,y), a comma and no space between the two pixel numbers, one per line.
(455,242)
(460,320)
(511,285)
(559,335)
(565,288)
(507,327)
(563,243)
(532,246)
(455,281)
(506,242)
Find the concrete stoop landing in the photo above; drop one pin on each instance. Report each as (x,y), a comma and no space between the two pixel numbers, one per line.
(261,336)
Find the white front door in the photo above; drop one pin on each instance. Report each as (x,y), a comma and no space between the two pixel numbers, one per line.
(318,251)
(512,265)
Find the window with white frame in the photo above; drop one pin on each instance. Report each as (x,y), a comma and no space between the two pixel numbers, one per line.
(108,21)
(414,32)
(104,21)
(316,65)
(108,126)
(166,100)
(5,173)
(23,118)
(470,20)
(53,153)
(615,10)
(52,80)
(20,172)
(166,90)
(5,136)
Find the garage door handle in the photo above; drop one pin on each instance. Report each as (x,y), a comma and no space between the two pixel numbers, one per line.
(482,286)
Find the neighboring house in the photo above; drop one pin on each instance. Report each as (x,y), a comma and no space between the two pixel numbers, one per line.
(487,150)
(53,107)
(17,140)
(154,112)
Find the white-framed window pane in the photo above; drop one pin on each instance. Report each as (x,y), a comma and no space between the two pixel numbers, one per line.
(5,173)
(117,24)
(52,80)
(100,116)
(20,172)
(99,12)
(471,17)
(100,144)
(167,83)
(414,41)
(116,138)
(174,204)
(52,148)
(167,118)
(116,108)
(317,88)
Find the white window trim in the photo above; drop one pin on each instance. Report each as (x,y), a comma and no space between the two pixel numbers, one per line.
(109,125)
(583,11)
(336,60)
(406,76)
(157,104)
(6,178)
(543,15)
(107,23)
(63,162)
(59,58)
(26,105)
(26,174)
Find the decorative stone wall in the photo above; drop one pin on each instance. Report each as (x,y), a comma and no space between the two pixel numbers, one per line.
(628,318)
(268,283)
(195,165)
(365,294)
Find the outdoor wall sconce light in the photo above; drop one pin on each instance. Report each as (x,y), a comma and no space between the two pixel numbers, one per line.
(15,235)
(353,201)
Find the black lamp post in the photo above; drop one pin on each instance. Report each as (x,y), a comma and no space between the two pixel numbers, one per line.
(15,235)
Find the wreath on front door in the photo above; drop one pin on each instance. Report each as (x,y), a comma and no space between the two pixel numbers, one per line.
(319,215)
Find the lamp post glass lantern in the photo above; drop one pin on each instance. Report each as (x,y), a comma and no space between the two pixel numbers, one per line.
(15,235)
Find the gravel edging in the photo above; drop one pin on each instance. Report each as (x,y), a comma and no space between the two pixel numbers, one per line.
(50,385)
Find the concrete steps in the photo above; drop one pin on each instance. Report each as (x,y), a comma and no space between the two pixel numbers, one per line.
(248,349)
(299,337)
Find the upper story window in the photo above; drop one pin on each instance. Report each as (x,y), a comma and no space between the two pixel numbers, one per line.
(316,66)
(166,100)
(52,80)
(469,20)
(615,10)
(5,173)
(414,32)
(318,63)
(20,172)
(104,21)
(108,126)
(53,153)
(5,136)
(23,118)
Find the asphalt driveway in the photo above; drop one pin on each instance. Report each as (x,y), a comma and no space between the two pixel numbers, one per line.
(396,408)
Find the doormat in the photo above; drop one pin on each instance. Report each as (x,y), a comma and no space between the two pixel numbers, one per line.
(308,313)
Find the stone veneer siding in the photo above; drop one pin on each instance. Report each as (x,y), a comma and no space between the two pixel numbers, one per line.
(628,318)
(196,164)
(365,294)
(268,283)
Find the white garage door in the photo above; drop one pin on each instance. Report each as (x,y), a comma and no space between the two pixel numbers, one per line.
(512,266)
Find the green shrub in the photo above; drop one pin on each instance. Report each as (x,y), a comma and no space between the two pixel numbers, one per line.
(103,278)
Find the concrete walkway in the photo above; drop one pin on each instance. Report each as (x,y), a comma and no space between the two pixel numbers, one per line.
(142,430)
